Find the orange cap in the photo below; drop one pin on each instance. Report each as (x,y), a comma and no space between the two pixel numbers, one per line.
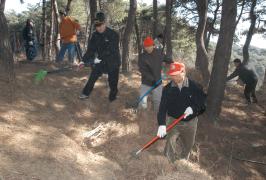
(176,68)
(148,41)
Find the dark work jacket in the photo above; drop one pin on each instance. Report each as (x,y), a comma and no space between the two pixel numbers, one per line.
(105,46)
(28,34)
(150,66)
(246,75)
(174,102)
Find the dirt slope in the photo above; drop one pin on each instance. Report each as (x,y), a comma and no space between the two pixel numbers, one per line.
(44,134)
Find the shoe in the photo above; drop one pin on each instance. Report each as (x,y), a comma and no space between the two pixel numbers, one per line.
(255,100)
(83,96)
(112,96)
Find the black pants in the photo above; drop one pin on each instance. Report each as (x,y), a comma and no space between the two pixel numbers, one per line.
(250,91)
(113,77)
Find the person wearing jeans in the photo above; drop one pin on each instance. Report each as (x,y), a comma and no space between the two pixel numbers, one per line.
(150,66)
(70,48)
(68,29)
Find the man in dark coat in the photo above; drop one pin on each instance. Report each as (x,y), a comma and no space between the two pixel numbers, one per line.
(29,38)
(248,77)
(180,96)
(104,56)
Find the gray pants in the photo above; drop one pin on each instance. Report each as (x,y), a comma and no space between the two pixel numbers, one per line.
(180,139)
(156,97)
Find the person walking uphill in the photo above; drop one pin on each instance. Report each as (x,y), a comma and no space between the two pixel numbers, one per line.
(180,96)
(68,29)
(103,53)
(29,38)
(248,77)
(150,66)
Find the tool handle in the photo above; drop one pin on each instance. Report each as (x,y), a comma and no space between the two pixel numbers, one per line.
(176,121)
(148,92)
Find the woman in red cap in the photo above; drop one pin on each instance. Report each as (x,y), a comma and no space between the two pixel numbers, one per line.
(180,96)
(150,66)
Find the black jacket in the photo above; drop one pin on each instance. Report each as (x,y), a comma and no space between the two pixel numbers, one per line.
(174,102)
(105,46)
(28,34)
(150,66)
(246,75)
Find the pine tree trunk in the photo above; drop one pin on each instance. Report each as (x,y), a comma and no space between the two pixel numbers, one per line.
(7,73)
(155,18)
(44,34)
(127,35)
(57,22)
(221,59)
(253,19)
(50,50)
(137,36)
(202,61)
(168,28)
(68,6)
(211,26)
(93,10)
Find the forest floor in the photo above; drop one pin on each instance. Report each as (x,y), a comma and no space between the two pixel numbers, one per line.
(45,133)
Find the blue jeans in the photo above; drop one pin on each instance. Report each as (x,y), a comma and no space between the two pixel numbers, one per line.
(70,47)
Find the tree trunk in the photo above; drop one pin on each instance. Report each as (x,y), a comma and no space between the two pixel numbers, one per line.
(44,48)
(68,6)
(211,25)
(51,39)
(6,56)
(253,19)
(87,24)
(57,22)
(168,27)
(202,61)
(221,59)
(127,35)
(155,18)
(138,36)
(93,10)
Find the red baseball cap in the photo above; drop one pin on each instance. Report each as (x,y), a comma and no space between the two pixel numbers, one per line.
(148,41)
(176,68)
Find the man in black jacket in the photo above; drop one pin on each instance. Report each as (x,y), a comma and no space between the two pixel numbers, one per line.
(29,38)
(150,65)
(103,54)
(180,96)
(248,77)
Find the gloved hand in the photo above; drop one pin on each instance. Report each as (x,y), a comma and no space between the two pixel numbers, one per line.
(97,61)
(161,131)
(31,43)
(188,112)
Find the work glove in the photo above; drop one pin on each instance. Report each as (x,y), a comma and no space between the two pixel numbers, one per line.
(31,43)
(161,131)
(97,61)
(188,112)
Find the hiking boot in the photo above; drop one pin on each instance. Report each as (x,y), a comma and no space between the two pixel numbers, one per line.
(83,96)
(255,100)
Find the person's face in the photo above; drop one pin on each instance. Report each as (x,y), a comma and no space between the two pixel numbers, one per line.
(101,28)
(179,78)
(236,64)
(149,49)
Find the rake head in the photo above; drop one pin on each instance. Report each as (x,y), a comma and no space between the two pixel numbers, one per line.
(40,75)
